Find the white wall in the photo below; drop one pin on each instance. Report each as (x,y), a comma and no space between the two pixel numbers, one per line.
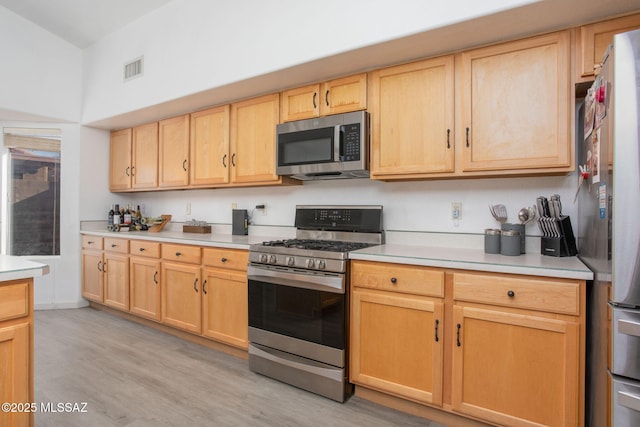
(190,46)
(411,206)
(40,75)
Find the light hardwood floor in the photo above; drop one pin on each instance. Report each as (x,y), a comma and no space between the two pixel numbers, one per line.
(132,375)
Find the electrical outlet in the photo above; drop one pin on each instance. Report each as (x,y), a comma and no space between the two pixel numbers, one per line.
(262,207)
(234,206)
(188,209)
(456,211)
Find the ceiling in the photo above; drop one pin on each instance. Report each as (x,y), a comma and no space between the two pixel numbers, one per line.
(82,22)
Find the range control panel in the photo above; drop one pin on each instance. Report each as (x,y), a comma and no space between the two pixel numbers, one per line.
(339,218)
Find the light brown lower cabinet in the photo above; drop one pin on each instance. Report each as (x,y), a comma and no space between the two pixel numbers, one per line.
(16,350)
(395,344)
(513,345)
(144,279)
(199,290)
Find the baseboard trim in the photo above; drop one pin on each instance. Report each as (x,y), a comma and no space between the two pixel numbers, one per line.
(61,305)
(432,414)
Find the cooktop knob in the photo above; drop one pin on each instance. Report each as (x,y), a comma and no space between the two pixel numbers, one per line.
(263,257)
(311,263)
(272,259)
(291,261)
(322,264)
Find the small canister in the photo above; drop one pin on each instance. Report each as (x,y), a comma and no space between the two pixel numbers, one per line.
(492,241)
(510,242)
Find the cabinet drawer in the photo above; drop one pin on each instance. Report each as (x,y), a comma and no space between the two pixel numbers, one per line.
(116,245)
(226,258)
(182,253)
(399,278)
(146,249)
(14,300)
(91,242)
(528,293)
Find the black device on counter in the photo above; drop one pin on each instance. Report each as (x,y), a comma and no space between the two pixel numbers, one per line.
(240,222)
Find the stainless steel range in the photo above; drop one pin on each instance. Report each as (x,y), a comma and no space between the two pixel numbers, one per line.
(299,297)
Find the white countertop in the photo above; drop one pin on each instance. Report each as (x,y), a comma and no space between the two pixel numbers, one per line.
(466,258)
(210,239)
(15,267)
(475,259)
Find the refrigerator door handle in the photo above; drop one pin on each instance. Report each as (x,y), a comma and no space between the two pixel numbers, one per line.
(631,401)
(629,328)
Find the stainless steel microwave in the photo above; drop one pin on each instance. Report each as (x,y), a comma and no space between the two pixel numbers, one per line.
(328,147)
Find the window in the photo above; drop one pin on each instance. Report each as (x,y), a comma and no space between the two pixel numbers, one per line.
(31,209)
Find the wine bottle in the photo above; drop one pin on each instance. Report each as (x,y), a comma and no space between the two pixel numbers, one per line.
(116,215)
(127,216)
(110,216)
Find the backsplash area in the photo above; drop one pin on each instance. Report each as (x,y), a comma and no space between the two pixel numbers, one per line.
(423,206)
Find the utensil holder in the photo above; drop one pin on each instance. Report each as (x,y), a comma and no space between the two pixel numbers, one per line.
(562,246)
(520,229)
(491,241)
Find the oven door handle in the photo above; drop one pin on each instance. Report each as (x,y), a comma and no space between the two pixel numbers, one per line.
(297,280)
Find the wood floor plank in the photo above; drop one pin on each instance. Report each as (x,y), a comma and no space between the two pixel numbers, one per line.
(132,375)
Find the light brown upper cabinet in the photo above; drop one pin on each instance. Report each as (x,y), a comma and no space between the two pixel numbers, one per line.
(210,159)
(144,152)
(253,140)
(516,107)
(173,159)
(593,40)
(332,97)
(120,160)
(412,119)
(134,158)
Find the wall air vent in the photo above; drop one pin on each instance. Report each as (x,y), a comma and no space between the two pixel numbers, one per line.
(133,69)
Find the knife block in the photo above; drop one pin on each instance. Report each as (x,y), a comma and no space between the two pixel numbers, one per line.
(562,246)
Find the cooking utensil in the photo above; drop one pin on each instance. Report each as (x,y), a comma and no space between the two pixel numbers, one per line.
(499,212)
(523,215)
(532,214)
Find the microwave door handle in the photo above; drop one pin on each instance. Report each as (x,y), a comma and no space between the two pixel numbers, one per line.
(338,149)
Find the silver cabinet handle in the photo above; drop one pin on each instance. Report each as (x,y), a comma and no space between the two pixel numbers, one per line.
(629,328)
(629,400)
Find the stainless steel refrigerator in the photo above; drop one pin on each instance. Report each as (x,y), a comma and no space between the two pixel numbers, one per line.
(609,234)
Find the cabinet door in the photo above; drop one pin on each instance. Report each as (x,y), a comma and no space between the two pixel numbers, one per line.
(344,95)
(144,281)
(92,275)
(173,157)
(181,296)
(145,156)
(412,116)
(15,378)
(209,158)
(515,369)
(116,281)
(594,39)
(120,160)
(396,344)
(253,140)
(516,105)
(300,103)
(225,306)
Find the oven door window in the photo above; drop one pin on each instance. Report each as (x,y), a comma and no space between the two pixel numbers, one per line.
(306,147)
(309,315)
